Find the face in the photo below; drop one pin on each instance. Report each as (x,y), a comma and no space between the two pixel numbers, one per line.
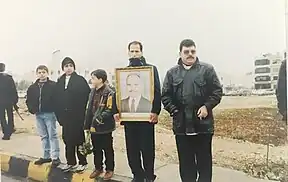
(42,74)
(95,81)
(68,69)
(133,86)
(135,51)
(188,55)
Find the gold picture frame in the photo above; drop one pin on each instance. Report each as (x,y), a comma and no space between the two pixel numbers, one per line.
(121,73)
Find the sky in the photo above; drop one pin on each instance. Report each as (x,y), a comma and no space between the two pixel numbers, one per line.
(229,34)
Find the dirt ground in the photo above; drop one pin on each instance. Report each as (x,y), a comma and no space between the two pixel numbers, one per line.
(240,142)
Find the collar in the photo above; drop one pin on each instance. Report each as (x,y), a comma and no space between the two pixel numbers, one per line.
(101,88)
(137,62)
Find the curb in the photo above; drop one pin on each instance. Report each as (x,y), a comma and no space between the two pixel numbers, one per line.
(23,166)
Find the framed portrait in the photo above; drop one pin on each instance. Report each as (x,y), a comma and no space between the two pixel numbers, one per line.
(135,92)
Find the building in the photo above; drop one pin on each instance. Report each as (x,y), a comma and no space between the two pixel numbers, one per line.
(266,69)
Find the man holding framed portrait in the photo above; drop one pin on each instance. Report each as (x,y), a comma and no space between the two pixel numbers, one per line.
(137,105)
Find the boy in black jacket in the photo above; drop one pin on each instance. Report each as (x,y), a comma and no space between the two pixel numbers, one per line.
(100,123)
(40,102)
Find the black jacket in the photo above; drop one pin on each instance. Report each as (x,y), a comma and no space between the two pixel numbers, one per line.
(101,121)
(47,97)
(8,91)
(185,91)
(156,104)
(71,107)
(281,91)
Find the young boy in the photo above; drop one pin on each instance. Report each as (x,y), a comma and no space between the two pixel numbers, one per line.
(100,123)
(40,102)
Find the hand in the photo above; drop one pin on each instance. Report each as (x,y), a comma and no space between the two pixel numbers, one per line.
(153,118)
(202,112)
(116,117)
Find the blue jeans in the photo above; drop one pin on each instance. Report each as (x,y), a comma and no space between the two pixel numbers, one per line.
(46,126)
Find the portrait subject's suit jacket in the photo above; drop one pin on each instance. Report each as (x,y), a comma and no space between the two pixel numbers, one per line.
(144,105)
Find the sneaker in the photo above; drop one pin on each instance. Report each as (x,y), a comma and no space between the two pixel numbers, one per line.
(42,161)
(56,162)
(81,168)
(68,168)
(96,173)
(108,175)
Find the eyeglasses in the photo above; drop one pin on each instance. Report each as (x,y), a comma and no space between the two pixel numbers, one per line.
(186,52)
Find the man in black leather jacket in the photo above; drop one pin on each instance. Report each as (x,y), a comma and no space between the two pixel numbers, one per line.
(191,90)
(8,100)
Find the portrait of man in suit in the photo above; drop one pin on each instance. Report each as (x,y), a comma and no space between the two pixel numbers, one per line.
(135,102)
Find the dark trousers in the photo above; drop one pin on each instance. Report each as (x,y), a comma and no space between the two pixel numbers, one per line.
(140,139)
(195,157)
(70,151)
(103,143)
(7,127)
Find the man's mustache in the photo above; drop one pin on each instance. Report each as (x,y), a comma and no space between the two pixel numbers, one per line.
(190,57)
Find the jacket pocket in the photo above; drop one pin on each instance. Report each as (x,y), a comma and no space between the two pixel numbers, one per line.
(200,86)
(177,87)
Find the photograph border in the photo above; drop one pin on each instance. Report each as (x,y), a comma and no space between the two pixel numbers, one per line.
(118,89)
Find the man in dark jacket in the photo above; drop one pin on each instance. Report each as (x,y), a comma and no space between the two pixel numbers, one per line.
(100,122)
(140,136)
(8,99)
(71,96)
(281,91)
(40,102)
(190,92)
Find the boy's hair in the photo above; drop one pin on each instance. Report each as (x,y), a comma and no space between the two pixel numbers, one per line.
(99,73)
(42,67)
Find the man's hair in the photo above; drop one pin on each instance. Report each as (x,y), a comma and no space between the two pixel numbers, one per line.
(100,74)
(132,74)
(186,43)
(136,43)
(42,67)
(2,67)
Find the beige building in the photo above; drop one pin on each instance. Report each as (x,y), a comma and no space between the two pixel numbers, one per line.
(266,69)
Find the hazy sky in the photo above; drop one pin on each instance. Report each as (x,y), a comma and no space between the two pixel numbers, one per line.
(228,33)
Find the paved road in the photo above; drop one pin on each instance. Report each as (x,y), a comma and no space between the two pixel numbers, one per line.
(6,178)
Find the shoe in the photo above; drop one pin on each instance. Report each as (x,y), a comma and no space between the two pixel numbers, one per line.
(108,175)
(96,173)
(138,180)
(81,168)
(6,138)
(69,168)
(42,161)
(56,162)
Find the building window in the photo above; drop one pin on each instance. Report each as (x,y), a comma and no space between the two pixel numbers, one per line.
(263,86)
(275,77)
(262,78)
(262,62)
(276,61)
(275,70)
(262,70)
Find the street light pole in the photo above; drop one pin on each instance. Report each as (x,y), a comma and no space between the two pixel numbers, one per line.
(286,26)
(56,56)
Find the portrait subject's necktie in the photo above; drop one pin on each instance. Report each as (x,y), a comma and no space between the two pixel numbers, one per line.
(132,109)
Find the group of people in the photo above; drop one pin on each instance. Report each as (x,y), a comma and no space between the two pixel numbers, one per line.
(190,91)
